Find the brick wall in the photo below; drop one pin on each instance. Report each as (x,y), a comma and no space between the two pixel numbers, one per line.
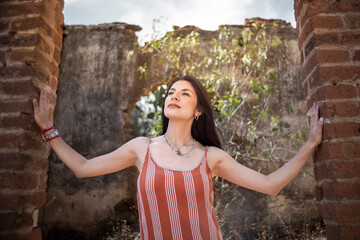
(30,45)
(329,42)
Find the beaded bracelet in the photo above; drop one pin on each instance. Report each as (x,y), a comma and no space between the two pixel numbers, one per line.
(47,129)
(51,136)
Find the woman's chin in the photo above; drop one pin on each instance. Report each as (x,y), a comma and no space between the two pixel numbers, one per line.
(176,116)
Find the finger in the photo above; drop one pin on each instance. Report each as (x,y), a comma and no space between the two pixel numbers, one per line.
(317,113)
(312,113)
(42,100)
(320,124)
(35,105)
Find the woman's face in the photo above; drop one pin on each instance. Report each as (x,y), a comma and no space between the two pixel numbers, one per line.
(181,101)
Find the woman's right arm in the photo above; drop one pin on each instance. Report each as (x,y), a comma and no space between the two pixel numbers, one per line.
(123,157)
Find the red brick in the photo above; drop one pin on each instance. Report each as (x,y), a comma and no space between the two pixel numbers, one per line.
(25,180)
(17,201)
(342,231)
(350,38)
(352,21)
(319,7)
(23,106)
(54,69)
(4,26)
(310,64)
(334,74)
(304,33)
(341,130)
(337,170)
(309,47)
(26,23)
(337,150)
(22,161)
(340,212)
(15,72)
(19,40)
(18,88)
(22,56)
(338,38)
(43,181)
(13,220)
(51,30)
(23,141)
(53,83)
(298,6)
(59,17)
(327,56)
(3,58)
(31,234)
(328,22)
(356,56)
(28,69)
(44,45)
(17,1)
(30,57)
(57,40)
(20,9)
(341,91)
(341,109)
(57,54)
(341,190)
(21,121)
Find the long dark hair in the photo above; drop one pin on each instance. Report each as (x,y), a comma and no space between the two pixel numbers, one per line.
(202,130)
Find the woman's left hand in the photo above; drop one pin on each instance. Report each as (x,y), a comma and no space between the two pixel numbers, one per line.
(316,125)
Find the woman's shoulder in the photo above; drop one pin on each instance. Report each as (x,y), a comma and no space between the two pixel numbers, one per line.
(215,151)
(139,140)
(137,145)
(216,154)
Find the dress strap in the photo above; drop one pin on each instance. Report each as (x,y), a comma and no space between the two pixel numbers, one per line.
(147,151)
(148,148)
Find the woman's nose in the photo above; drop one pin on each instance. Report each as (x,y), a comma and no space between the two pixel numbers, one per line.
(175,97)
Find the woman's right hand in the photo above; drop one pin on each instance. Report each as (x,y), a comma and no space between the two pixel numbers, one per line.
(41,110)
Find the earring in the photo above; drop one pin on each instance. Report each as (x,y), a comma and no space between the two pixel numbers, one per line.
(196,118)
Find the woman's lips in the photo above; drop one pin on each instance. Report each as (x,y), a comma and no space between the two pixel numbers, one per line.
(173,105)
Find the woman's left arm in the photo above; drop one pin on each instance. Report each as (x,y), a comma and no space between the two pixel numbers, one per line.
(271,184)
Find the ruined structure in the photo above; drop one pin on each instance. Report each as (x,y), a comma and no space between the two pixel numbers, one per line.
(98,86)
(30,45)
(329,41)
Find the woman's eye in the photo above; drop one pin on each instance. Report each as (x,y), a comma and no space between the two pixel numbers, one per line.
(186,94)
(170,93)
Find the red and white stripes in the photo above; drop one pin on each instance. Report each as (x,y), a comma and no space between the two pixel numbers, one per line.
(172,205)
(176,204)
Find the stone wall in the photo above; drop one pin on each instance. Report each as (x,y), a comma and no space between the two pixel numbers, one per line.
(98,85)
(30,45)
(329,42)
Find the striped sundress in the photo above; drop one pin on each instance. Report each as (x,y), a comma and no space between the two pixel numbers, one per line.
(176,204)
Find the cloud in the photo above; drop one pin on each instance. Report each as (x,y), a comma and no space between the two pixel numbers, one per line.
(205,14)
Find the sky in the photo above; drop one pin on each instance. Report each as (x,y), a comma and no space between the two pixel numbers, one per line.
(205,14)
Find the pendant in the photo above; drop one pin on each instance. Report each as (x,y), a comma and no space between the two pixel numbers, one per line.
(178,152)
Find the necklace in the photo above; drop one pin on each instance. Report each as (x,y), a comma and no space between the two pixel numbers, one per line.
(177,151)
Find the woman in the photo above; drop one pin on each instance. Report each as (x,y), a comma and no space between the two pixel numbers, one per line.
(175,197)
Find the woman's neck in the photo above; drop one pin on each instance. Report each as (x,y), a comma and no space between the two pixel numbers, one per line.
(179,133)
